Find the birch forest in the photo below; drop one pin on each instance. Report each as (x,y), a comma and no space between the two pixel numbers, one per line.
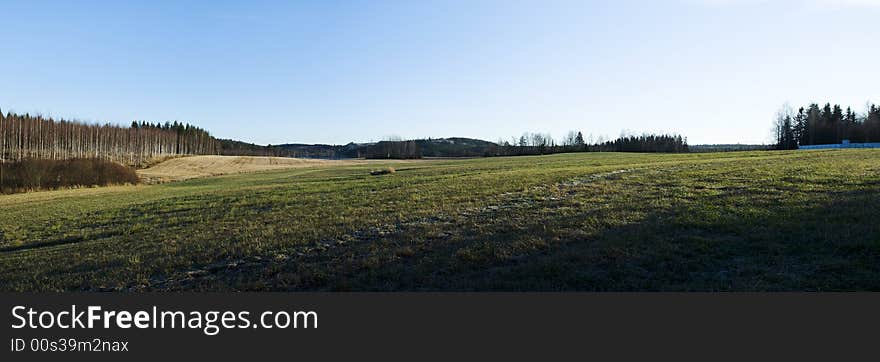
(36,137)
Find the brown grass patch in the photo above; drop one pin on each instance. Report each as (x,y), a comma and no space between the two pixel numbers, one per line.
(184,168)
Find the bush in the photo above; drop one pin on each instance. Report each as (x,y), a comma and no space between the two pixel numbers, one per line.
(37,174)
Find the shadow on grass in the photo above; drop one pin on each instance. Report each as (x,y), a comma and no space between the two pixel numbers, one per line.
(70,239)
(785,247)
(765,245)
(740,244)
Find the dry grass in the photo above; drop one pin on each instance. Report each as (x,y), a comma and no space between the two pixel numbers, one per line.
(185,168)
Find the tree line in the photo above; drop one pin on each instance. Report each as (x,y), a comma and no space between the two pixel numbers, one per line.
(543,144)
(393,149)
(238,148)
(820,125)
(24,136)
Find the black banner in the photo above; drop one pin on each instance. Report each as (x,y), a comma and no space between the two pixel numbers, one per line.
(336,326)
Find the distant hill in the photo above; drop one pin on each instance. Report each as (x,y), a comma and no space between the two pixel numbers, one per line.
(238,148)
(454,147)
(431,147)
(350,150)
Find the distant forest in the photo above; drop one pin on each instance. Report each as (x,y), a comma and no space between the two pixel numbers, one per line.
(25,136)
(542,144)
(392,148)
(35,137)
(431,147)
(815,125)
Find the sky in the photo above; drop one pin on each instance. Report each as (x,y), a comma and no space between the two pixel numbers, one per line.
(272,72)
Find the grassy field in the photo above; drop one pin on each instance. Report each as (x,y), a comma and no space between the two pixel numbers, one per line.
(744,221)
(185,168)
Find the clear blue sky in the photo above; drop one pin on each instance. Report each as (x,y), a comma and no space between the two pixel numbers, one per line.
(332,72)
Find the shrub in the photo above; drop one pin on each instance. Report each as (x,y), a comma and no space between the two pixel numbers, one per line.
(37,174)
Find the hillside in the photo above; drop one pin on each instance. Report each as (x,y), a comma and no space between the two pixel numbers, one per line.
(454,147)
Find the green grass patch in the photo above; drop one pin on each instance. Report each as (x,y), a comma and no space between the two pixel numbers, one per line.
(753,221)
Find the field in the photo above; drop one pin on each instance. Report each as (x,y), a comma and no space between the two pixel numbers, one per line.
(185,168)
(741,221)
